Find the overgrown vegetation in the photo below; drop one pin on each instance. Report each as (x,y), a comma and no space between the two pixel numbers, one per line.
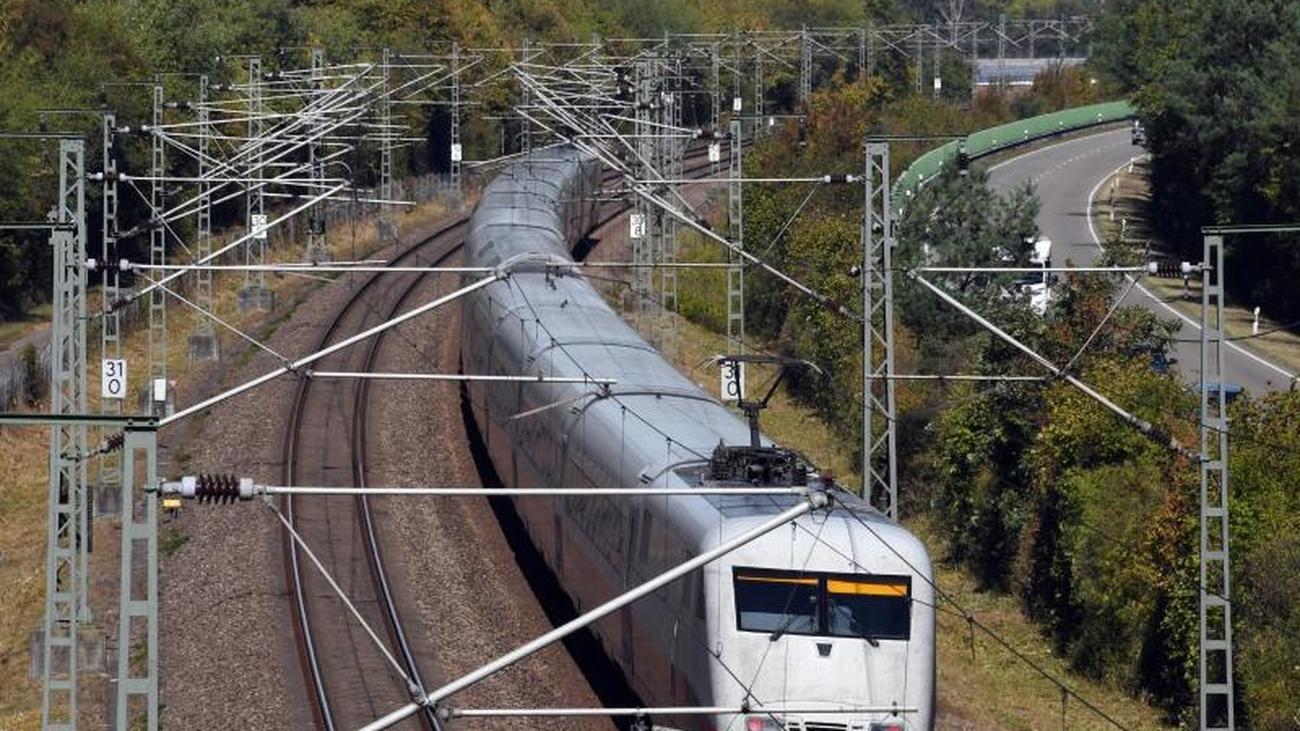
(1216,84)
(1040,492)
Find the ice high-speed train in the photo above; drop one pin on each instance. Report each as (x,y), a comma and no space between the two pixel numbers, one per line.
(829,613)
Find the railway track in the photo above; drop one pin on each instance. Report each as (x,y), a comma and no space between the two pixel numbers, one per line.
(350,682)
(320,407)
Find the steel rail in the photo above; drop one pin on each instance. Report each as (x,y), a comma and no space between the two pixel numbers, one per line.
(308,645)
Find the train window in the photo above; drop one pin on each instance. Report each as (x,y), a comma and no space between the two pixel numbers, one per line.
(776,602)
(871,607)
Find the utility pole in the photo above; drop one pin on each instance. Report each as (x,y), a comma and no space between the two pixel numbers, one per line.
(1215,663)
(879,459)
(736,234)
(254,294)
(640,220)
(1002,51)
(737,75)
(920,59)
(457,152)
(203,339)
(67,526)
(388,227)
(672,170)
(715,118)
(109,479)
(657,95)
(158,396)
(870,50)
(805,70)
(938,72)
(317,244)
(137,629)
(862,53)
(526,103)
(758,90)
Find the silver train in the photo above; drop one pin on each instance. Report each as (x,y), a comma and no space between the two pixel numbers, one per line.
(823,617)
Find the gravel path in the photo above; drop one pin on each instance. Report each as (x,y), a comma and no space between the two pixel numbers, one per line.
(455,568)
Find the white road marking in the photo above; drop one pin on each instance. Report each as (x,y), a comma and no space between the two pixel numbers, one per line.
(1053,146)
(1092,230)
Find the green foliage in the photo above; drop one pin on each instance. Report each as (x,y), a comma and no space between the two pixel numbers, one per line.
(1215,83)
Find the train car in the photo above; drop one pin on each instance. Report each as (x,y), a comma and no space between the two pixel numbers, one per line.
(805,627)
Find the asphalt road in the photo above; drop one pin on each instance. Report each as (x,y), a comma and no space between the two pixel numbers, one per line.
(1067,175)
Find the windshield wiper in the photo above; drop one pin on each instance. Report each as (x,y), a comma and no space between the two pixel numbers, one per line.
(781,628)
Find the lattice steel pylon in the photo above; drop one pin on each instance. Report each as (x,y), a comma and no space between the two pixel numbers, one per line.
(805,70)
(254,293)
(203,338)
(109,466)
(388,227)
(644,210)
(137,634)
(157,257)
(671,166)
(715,100)
(736,234)
(526,101)
(879,460)
(317,243)
(66,565)
(457,151)
(1215,663)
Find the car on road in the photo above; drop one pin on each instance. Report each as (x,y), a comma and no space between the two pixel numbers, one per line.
(1138,134)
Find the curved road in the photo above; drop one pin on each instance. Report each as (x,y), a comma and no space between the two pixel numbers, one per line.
(1067,175)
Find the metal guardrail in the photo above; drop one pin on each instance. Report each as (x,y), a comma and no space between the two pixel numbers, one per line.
(994,139)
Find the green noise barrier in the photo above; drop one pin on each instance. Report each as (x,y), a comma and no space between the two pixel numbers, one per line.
(995,139)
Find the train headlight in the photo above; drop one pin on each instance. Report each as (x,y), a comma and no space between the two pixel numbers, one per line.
(762,723)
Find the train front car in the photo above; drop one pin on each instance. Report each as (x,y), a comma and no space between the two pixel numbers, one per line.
(817,618)
(831,621)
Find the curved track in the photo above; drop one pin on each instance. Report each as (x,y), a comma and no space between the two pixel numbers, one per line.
(349,682)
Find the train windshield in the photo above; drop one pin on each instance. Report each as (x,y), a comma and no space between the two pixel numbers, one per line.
(873,608)
(777,602)
(870,606)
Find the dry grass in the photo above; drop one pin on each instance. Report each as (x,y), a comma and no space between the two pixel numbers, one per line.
(24,455)
(994,689)
(24,460)
(1132,193)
